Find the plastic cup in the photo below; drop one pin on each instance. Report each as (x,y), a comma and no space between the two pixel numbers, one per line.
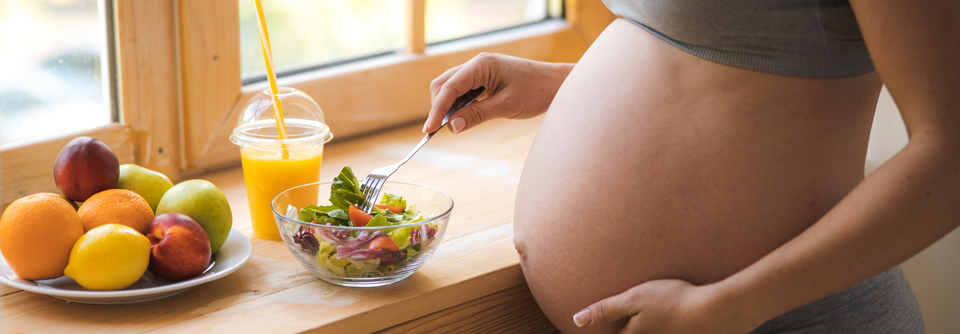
(271,165)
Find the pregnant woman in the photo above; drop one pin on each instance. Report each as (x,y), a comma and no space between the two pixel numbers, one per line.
(700,170)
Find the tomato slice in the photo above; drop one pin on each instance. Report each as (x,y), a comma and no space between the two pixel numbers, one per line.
(384,242)
(392,208)
(358,217)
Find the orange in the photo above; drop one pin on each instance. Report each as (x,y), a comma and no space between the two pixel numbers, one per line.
(116,206)
(37,233)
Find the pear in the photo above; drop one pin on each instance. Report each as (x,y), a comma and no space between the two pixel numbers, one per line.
(202,201)
(148,184)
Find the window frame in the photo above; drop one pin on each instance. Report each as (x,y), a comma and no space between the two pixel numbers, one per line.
(180,88)
(210,58)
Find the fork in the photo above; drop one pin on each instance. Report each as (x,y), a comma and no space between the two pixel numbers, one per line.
(374,181)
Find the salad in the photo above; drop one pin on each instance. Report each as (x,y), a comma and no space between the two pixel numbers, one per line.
(362,253)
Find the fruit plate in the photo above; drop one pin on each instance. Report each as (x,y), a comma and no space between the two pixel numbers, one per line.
(234,253)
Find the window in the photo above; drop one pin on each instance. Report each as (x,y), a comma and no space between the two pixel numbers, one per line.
(384,87)
(309,35)
(452,19)
(56,76)
(306,34)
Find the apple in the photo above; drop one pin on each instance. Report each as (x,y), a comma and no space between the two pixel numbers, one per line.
(85,167)
(148,184)
(202,201)
(179,247)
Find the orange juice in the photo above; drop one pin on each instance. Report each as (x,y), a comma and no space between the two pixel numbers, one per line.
(267,173)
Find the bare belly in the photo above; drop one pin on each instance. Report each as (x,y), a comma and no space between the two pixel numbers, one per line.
(652,163)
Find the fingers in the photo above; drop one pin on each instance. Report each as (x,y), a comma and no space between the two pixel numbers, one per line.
(458,84)
(606,311)
(445,89)
(439,81)
(475,113)
(443,102)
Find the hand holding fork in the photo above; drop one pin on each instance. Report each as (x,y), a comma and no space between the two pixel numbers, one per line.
(374,181)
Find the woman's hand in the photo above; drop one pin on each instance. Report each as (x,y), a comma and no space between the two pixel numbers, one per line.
(515,88)
(665,306)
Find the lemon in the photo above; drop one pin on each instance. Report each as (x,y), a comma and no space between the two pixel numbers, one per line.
(109,257)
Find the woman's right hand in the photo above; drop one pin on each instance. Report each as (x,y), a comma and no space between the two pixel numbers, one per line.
(515,88)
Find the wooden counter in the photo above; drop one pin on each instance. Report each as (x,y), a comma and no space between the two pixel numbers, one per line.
(473,283)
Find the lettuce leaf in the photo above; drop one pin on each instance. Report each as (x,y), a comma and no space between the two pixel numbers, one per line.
(363,268)
(326,247)
(401,236)
(378,220)
(327,259)
(327,220)
(411,215)
(323,215)
(345,190)
(338,214)
(310,213)
(392,217)
(393,200)
(306,215)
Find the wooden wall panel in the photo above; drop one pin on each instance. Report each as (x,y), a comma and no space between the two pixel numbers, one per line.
(148,82)
(210,73)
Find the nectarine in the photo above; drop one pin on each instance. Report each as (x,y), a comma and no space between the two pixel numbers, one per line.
(85,167)
(179,247)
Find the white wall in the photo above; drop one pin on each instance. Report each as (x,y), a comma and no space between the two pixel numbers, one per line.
(934,274)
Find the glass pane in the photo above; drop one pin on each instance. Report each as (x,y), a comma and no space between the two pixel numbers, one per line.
(307,33)
(51,59)
(450,19)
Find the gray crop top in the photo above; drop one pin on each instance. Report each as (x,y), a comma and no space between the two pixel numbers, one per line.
(803,38)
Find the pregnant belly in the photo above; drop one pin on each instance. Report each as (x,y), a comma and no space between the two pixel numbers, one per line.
(652,163)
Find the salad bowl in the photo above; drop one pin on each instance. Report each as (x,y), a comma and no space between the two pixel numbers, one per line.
(385,250)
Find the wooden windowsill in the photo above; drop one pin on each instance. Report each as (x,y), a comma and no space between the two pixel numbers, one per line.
(472,283)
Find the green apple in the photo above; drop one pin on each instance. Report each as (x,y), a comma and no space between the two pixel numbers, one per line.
(148,184)
(202,201)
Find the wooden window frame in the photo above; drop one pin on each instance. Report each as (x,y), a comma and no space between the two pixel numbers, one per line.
(180,90)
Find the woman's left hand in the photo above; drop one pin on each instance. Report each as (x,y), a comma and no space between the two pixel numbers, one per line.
(662,306)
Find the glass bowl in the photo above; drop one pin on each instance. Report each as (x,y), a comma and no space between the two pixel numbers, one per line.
(319,247)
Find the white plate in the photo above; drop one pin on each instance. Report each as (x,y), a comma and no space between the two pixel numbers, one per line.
(234,253)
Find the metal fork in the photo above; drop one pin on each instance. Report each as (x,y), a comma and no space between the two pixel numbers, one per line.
(374,182)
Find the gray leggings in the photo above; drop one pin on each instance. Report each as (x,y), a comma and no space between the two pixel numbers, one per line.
(882,304)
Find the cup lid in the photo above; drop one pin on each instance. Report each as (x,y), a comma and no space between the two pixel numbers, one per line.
(302,118)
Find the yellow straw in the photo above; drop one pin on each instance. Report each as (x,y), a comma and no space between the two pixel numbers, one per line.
(271,76)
